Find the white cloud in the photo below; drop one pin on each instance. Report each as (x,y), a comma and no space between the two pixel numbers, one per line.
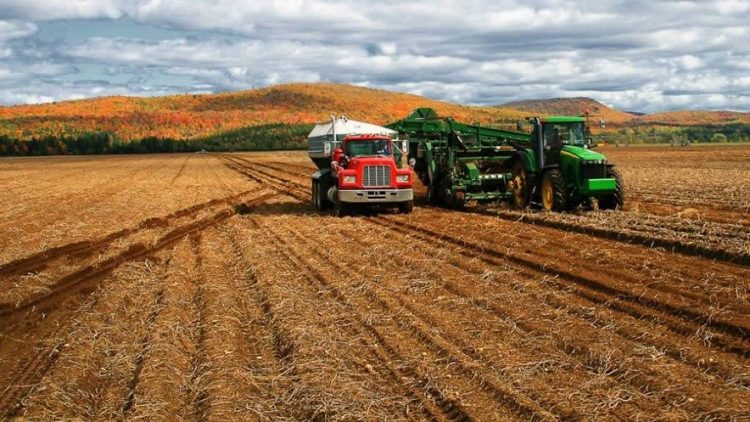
(16,29)
(471,51)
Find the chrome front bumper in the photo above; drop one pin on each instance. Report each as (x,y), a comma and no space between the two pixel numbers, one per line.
(366,196)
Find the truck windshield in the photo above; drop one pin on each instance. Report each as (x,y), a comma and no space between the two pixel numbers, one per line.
(557,134)
(372,147)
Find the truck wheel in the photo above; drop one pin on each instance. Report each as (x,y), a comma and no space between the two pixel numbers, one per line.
(614,200)
(342,209)
(406,207)
(520,186)
(316,195)
(553,191)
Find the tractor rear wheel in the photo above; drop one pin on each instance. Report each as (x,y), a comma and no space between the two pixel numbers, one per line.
(614,200)
(553,191)
(521,191)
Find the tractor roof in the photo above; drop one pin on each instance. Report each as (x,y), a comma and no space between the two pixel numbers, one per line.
(562,119)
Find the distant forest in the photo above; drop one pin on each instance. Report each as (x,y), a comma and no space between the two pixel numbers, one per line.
(733,132)
(251,138)
(281,136)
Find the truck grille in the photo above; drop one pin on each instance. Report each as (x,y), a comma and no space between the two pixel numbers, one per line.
(376,176)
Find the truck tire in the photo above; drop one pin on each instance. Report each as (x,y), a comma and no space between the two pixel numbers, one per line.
(521,189)
(406,207)
(553,191)
(343,209)
(316,195)
(614,200)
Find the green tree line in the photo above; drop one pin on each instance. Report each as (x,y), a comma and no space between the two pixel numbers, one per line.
(735,132)
(251,138)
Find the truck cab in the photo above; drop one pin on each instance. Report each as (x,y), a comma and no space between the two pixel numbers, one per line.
(364,171)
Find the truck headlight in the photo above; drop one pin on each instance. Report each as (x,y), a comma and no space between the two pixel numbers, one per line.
(350,179)
(402,178)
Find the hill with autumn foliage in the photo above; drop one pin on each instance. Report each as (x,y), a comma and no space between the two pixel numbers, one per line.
(195,116)
(280,116)
(571,107)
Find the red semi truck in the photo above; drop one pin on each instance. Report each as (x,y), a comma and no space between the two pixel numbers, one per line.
(358,169)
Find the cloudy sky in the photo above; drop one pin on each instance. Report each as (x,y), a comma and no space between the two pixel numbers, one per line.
(636,55)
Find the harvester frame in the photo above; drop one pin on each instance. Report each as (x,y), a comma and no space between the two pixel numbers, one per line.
(461,162)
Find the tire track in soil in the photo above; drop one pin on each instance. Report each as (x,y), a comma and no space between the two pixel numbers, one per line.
(28,375)
(93,274)
(682,290)
(640,373)
(271,362)
(268,180)
(717,365)
(199,364)
(679,320)
(643,239)
(523,407)
(386,369)
(685,314)
(469,357)
(182,169)
(145,344)
(40,260)
(432,401)
(44,357)
(613,235)
(707,321)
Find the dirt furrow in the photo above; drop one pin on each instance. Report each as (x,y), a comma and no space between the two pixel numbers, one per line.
(42,259)
(92,375)
(536,310)
(572,363)
(729,335)
(509,397)
(420,392)
(91,275)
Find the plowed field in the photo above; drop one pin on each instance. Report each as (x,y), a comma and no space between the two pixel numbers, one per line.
(206,287)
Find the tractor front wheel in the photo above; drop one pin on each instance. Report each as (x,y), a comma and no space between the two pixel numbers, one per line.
(614,200)
(553,191)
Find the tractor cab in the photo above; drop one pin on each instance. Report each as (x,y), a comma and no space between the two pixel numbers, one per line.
(555,133)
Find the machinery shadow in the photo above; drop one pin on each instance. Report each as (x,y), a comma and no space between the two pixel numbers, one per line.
(279,208)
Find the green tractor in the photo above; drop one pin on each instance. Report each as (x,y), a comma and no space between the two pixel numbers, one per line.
(553,166)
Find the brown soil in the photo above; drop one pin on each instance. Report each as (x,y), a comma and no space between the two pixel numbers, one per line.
(206,287)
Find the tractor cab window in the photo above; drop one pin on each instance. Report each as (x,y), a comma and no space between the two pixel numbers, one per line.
(368,148)
(559,134)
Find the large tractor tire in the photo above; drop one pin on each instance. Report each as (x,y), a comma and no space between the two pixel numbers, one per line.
(406,207)
(614,200)
(521,189)
(553,191)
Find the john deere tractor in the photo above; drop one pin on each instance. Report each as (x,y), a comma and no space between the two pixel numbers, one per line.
(552,165)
